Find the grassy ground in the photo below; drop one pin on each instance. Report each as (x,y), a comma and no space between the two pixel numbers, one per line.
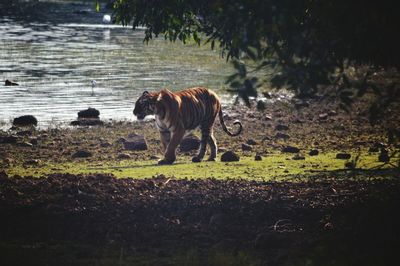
(273,167)
(52,149)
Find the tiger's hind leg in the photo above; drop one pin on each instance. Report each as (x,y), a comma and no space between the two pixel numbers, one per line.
(206,137)
(213,146)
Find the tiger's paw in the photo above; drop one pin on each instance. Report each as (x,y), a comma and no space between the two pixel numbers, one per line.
(196,159)
(165,161)
(211,159)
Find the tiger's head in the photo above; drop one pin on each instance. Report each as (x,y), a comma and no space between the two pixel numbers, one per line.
(145,105)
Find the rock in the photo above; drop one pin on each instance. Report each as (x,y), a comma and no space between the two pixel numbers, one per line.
(379,145)
(25,121)
(251,142)
(268,117)
(323,116)
(298,157)
(135,143)
(301,103)
(313,152)
(87,122)
(384,156)
(373,149)
(82,154)
(280,135)
(105,144)
(89,113)
(290,149)
(190,143)
(332,113)
(350,165)
(123,156)
(7,161)
(26,144)
(32,162)
(230,156)
(258,158)
(343,156)
(24,133)
(10,83)
(9,139)
(121,140)
(261,105)
(281,127)
(34,141)
(246,147)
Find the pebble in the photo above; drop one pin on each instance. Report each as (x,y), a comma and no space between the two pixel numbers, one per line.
(230,156)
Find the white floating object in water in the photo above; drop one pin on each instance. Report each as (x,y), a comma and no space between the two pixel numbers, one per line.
(93,83)
(107,19)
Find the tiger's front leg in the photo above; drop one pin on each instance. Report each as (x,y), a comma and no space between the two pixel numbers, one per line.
(176,137)
(165,136)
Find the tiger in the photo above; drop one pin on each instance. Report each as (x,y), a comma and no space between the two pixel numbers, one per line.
(179,113)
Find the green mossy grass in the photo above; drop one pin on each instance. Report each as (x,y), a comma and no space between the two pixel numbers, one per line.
(273,167)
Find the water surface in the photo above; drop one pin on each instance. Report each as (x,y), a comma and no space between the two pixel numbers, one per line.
(55,49)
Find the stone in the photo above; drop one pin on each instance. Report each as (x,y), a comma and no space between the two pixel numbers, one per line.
(34,141)
(10,83)
(9,139)
(290,149)
(230,156)
(257,158)
(261,105)
(323,116)
(135,143)
(281,127)
(87,122)
(123,156)
(26,144)
(332,113)
(313,152)
(24,133)
(25,121)
(32,162)
(251,142)
(384,156)
(373,149)
(82,154)
(350,165)
(343,156)
(89,113)
(190,143)
(105,144)
(280,135)
(268,117)
(301,103)
(298,157)
(246,147)
(379,145)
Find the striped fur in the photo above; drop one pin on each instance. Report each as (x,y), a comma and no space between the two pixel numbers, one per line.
(179,113)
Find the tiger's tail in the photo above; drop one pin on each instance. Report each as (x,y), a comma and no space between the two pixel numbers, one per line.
(221,120)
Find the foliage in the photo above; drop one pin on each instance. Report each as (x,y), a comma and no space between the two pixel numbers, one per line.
(307,42)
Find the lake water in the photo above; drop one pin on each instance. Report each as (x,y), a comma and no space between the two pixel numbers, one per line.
(54,49)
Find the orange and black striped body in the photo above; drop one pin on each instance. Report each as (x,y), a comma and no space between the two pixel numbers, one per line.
(179,113)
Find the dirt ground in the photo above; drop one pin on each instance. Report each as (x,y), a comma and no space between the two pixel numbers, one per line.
(281,223)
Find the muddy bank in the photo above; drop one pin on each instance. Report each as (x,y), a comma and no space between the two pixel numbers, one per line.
(337,223)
